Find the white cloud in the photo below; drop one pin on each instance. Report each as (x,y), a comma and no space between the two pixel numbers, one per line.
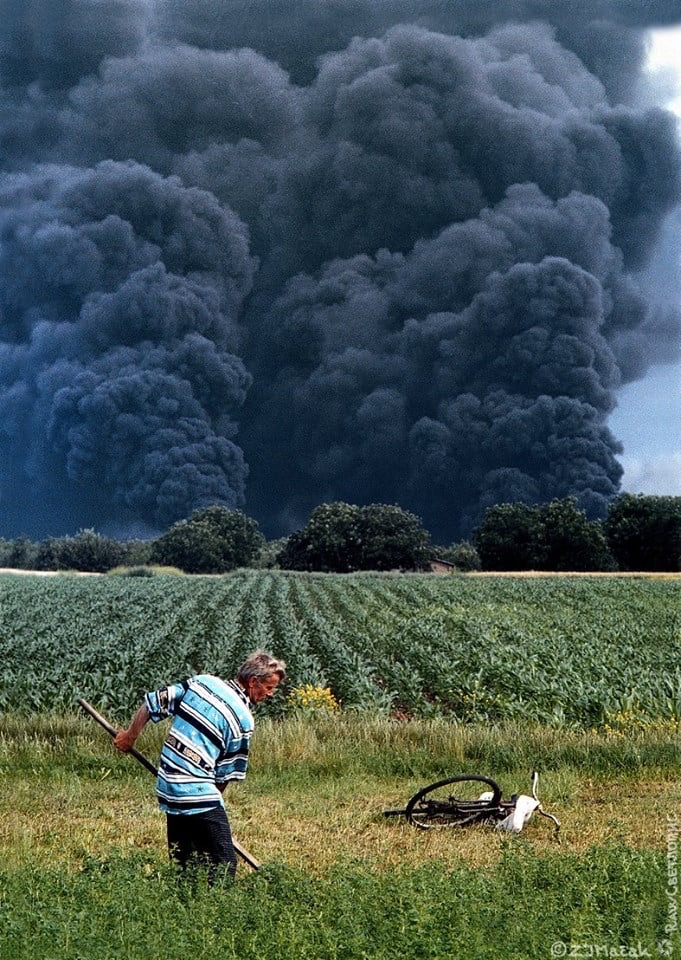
(663,63)
(658,476)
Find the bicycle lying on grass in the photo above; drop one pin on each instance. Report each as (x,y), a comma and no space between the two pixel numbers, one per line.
(458,802)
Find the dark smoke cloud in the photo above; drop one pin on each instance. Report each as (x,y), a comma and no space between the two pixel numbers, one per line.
(480,356)
(55,42)
(606,34)
(268,254)
(119,294)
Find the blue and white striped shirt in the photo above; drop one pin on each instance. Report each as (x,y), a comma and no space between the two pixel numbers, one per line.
(207,744)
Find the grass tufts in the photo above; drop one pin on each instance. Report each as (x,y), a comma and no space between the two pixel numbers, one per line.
(128,907)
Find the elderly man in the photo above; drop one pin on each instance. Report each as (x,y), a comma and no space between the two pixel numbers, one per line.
(206,747)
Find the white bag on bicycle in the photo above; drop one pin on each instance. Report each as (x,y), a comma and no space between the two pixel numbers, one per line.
(520,815)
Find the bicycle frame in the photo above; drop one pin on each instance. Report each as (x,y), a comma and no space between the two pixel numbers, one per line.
(438,805)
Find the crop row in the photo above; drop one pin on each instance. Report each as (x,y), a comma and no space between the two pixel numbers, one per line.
(552,650)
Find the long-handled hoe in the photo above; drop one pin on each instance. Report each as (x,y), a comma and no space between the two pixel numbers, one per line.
(112,731)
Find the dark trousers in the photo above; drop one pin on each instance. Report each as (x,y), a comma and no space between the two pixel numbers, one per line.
(202,839)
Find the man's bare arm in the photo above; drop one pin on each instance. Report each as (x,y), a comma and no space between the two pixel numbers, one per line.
(125,739)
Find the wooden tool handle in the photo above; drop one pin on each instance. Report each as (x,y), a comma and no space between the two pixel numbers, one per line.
(112,731)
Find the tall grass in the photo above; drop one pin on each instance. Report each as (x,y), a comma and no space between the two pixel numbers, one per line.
(317,788)
(298,750)
(354,743)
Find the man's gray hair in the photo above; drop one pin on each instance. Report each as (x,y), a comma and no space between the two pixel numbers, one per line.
(259,665)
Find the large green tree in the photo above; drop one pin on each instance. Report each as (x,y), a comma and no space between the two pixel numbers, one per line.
(550,536)
(18,554)
(87,551)
(571,542)
(341,537)
(510,537)
(391,538)
(213,540)
(330,541)
(644,532)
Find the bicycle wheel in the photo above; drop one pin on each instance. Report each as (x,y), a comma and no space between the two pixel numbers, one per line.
(454,802)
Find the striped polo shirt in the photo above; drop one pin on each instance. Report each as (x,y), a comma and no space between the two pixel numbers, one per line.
(207,744)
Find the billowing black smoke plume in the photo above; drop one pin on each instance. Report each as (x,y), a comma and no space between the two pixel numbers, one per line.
(268,253)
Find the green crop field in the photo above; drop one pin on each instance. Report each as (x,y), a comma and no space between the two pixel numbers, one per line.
(577,677)
(566,651)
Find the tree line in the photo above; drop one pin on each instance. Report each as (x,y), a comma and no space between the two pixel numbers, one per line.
(638,533)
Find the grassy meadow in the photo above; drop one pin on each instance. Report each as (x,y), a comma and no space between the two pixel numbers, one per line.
(84,873)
